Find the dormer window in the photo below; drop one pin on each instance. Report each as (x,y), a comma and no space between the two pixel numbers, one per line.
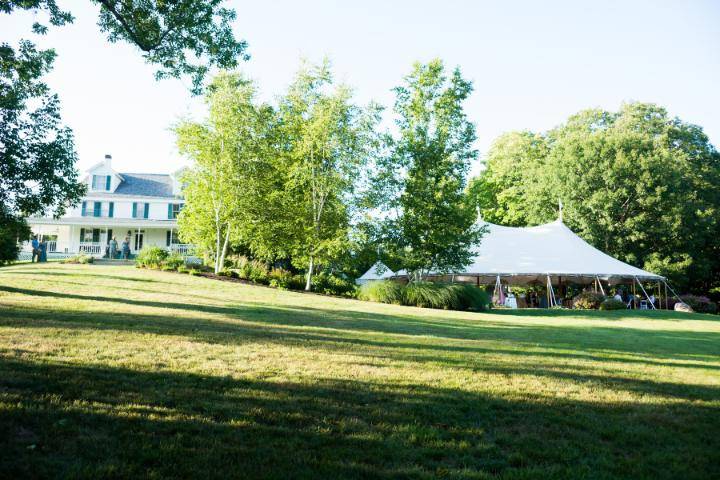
(101,182)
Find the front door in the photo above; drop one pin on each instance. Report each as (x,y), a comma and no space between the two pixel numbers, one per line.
(139,235)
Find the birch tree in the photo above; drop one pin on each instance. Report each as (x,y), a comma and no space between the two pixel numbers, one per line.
(329,140)
(220,187)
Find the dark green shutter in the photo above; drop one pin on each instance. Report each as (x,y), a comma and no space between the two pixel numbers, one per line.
(96,235)
(82,234)
(170,211)
(147,210)
(109,235)
(111,209)
(134,210)
(84,209)
(167,238)
(107,183)
(97,208)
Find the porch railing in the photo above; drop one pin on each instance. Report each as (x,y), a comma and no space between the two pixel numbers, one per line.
(52,246)
(91,248)
(183,249)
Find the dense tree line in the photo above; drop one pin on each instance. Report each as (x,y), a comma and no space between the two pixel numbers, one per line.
(296,181)
(637,184)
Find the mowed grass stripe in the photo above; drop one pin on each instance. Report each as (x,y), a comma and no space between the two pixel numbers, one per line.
(118,372)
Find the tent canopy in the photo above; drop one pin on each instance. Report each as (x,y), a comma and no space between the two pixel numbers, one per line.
(527,255)
(377,272)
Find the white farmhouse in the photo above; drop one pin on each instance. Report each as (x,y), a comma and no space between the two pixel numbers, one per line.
(139,206)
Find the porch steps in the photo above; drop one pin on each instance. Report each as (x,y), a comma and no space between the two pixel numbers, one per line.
(113,261)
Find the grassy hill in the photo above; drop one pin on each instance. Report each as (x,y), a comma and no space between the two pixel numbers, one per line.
(118,372)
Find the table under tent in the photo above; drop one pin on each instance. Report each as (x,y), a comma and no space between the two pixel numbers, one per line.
(550,258)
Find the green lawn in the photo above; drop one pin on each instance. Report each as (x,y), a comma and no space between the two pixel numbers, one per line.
(117,372)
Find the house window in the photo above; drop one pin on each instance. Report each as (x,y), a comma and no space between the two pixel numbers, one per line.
(140,210)
(89,235)
(101,182)
(171,238)
(174,210)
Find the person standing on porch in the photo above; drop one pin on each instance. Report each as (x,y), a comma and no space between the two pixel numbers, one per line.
(113,248)
(42,248)
(35,250)
(125,248)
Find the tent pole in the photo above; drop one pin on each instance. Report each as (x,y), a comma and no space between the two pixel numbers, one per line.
(646,294)
(599,283)
(673,292)
(633,295)
(667,300)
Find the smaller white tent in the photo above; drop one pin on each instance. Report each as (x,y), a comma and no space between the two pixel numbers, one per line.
(377,272)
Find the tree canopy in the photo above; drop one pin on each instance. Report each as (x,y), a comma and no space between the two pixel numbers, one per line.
(422,181)
(638,184)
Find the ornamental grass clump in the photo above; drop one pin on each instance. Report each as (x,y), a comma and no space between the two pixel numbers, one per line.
(470,297)
(431,295)
(382,291)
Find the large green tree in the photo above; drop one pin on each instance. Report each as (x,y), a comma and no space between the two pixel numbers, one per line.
(638,184)
(327,142)
(232,168)
(422,181)
(37,153)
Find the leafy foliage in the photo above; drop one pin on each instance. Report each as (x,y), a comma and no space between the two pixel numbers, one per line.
(37,154)
(612,304)
(588,300)
(637,184)
(151,257)
(423,178)
(10,231)
(330,284)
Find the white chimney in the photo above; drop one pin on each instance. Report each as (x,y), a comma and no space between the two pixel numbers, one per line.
(108,159)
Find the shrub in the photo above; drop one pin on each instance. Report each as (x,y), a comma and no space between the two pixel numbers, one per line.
(280,278)
(183,269)
(80,258)
(588,301)
(151,257)
(612,304)
(382,291)
(194,272)
(700,304)
(253,270)
(173,262)
(470,297)
(431,295)
(330,284)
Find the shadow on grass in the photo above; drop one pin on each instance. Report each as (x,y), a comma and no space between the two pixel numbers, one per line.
(89,421)
(311,329)
(599,340)
(80,274)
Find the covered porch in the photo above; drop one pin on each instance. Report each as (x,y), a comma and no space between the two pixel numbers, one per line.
(93,237)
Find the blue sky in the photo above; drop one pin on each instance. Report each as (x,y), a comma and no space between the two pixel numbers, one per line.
(533,63)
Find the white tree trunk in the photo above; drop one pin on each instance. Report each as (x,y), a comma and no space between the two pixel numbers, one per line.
(221,262)
(308,282)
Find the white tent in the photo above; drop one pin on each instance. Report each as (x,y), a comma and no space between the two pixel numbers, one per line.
(529,255)
(377,272)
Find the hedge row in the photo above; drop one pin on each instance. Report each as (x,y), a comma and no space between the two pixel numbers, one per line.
(448,296)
